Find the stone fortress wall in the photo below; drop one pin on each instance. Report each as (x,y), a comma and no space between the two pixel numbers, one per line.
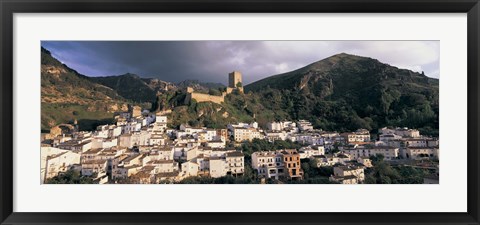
(233,78)
(201,97)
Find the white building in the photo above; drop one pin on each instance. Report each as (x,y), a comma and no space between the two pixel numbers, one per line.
(180,151)
(160,123)
(327,160)
(388,152)
(164,152)
(234,163)
(165,166)
(104,142)
(134,139)
(92,167)
(307,152)
(365,161)
(389,137)
(157,139)
(272,136)
(420,153)
(76,145)
(205,135)
(55,161)
(416,142)
(231,127)
(114,131)
(101,133)
(241,134)
(348,175)
(133,160)
(203,163)
(231,163)
(216,144)
(131,127)
(268,164)
(118,170)
(304,138)
(358,136)
(280,126)
(305,125)
(187,129)
(190,168)
(403,132)
(217,167)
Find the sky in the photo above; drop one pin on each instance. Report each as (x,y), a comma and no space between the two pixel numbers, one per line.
(211,61)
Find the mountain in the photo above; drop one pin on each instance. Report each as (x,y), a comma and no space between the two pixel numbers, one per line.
(61,84)
(67,95)
(200,86)
(138,89)
(344,92)
(354,69)
(133,87)
(340,93)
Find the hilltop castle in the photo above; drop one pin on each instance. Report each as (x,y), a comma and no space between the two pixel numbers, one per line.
(234,83)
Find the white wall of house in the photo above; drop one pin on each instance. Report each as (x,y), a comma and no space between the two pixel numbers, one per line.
(166,167)
(420,153)
(217,168)
(235,165)
(190,168)
(61,161)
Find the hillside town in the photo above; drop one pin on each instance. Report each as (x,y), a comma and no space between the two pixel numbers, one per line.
(141,148)
(144,147)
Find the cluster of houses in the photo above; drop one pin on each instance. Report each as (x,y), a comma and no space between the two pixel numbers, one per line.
(141,148)
(348,153)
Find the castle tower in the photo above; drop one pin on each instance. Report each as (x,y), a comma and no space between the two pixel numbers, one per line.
(235,79)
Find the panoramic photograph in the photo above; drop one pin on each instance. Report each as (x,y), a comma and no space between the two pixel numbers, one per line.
(239,112)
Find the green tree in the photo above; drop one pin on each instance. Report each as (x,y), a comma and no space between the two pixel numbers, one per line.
(377,158)
(306,168)
(382,173)
(70,177)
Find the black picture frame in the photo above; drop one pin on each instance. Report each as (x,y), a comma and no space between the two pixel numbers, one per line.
(9,7)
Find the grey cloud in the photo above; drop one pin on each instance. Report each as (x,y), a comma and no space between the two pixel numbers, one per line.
(210,61)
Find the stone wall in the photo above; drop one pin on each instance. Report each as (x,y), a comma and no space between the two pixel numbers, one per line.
(200,97)
(230,90)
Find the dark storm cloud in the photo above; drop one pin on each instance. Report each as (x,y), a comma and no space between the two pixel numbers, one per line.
(211,61)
